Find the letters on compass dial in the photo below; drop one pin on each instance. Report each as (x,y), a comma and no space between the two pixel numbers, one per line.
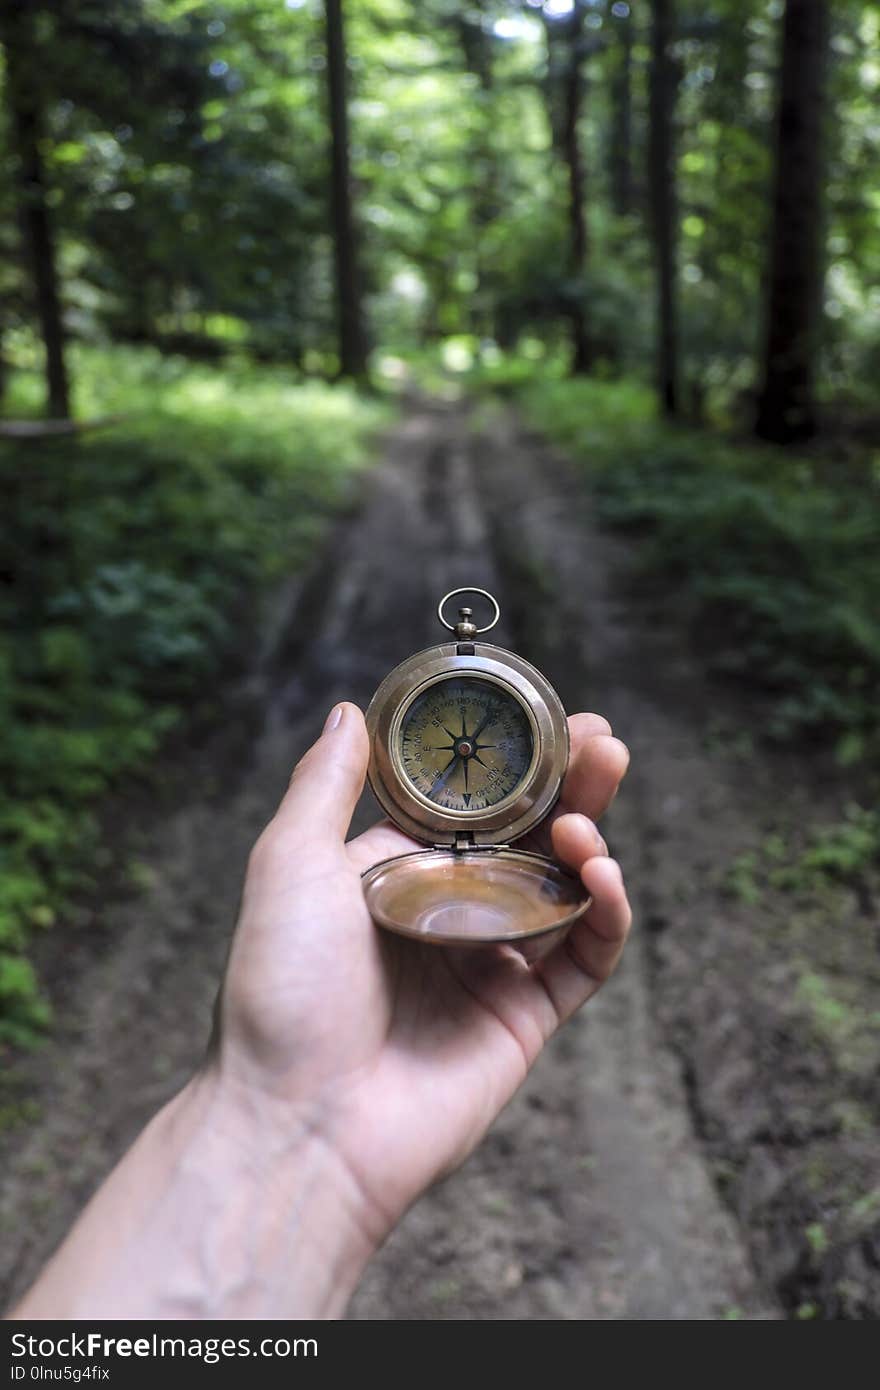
(466,744)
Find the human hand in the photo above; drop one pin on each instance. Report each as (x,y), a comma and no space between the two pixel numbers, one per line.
(398,1055)
(349,1068)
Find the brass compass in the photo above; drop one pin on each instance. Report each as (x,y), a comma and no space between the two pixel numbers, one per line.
(468,749)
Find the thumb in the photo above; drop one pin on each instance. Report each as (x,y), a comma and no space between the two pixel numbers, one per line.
(329,778)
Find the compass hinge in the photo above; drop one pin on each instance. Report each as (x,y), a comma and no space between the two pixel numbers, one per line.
(464,842)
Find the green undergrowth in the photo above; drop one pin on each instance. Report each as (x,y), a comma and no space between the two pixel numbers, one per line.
(843,851)
(132,562)
(772,558)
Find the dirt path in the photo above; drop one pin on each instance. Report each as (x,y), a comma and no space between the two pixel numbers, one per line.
(592,1197)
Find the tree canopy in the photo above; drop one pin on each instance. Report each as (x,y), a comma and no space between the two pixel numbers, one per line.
(622,182)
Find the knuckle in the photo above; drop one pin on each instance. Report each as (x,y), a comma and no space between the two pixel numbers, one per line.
(300,766)
(599,725)
(268,851)
(624,749)
(256,858)
(577,960)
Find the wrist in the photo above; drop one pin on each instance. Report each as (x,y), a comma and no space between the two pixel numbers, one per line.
(224,1207)
(283,1222)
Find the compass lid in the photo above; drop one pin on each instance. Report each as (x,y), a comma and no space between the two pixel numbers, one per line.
(474,898)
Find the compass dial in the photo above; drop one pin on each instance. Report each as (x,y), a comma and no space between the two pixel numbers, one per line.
(465,743)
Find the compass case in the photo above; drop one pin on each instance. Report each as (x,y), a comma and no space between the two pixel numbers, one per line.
(495,825)
(469,887)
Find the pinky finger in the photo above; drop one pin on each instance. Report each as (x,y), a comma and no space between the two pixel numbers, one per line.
(575,969)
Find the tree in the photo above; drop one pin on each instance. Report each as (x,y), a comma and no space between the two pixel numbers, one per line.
(795,272)
(24,102)
(663,200)
(565,48)
(475,40)
(620,143)
(352,333)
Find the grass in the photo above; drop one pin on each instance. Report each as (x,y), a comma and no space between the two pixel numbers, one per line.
(839,852)
(772,558)
(134,558)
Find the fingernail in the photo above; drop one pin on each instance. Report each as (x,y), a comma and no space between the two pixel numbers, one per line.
(333,718)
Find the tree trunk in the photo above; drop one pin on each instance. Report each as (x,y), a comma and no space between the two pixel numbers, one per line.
(726,103)
(662,191)
(476,47)
(26,132)
(620,144)
(565,95)
(796,262)
(352,334)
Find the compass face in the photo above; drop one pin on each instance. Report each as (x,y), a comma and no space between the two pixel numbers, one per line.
(466,744)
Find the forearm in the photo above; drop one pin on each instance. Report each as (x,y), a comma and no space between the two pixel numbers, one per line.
(213,1213)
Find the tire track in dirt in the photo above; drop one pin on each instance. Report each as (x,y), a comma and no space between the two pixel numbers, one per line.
(591,1198)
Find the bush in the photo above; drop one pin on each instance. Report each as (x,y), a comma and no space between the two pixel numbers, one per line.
(135,556)
(774,561)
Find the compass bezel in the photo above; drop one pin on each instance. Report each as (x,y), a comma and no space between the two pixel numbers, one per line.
(532,798)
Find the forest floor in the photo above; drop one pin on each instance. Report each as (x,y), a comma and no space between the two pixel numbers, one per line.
(598,1193)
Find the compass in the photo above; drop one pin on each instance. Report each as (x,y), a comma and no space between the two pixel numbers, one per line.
(468,749)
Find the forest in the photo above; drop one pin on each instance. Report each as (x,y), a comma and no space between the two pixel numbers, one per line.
(531,178)
(244,242)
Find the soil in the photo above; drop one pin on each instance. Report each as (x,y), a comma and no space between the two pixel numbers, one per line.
(652,1166)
